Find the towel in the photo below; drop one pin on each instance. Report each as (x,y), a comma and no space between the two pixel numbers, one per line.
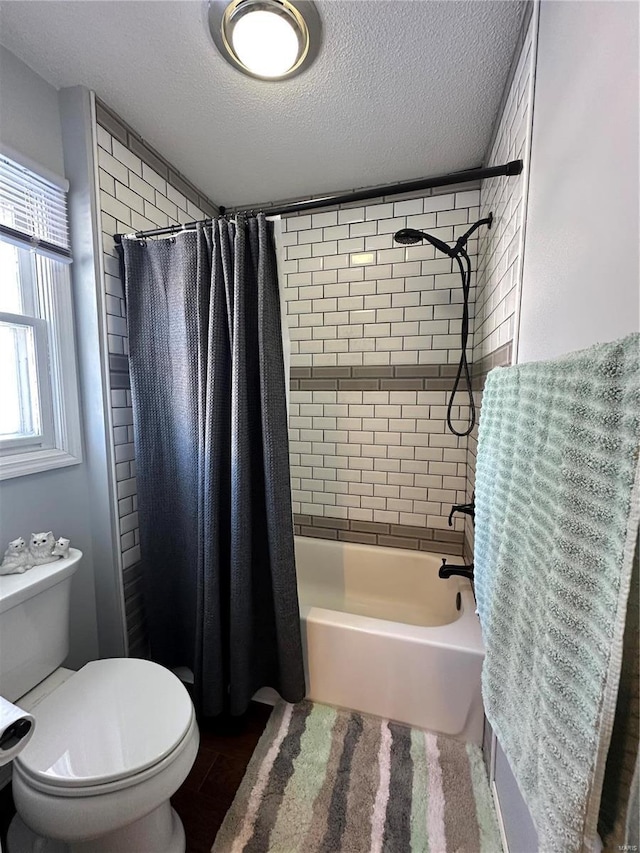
(557,513)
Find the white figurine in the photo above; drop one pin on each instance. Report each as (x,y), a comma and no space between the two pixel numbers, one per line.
(61,548)
(17,558)
(41,548)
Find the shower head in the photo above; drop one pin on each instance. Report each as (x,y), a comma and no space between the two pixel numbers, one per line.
(410,236)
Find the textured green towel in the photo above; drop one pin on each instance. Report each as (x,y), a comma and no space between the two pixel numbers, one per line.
(557,512)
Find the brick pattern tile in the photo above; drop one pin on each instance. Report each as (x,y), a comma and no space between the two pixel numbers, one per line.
(354,297)
(499,269)
(374,455)
(500,259)
(383,534)
(375,340)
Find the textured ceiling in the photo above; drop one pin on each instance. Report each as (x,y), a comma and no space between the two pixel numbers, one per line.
(401,89)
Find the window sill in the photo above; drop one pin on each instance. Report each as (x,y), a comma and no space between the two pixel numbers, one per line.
(35,461)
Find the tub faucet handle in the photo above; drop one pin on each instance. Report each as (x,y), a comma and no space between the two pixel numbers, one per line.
(467,509)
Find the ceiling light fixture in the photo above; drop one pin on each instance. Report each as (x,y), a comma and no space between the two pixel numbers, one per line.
(267,39)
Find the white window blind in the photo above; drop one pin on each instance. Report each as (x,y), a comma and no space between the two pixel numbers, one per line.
(33,211)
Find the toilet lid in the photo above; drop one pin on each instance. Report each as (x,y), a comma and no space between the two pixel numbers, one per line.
(112,719)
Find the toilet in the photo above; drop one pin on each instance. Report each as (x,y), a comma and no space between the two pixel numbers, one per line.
(112,742)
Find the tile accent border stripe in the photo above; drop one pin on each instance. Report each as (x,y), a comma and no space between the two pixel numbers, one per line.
(125,134)
(467,551)
(135,611)
(400,377)
(119,371)
(379,533)
(428,377)
(500,357)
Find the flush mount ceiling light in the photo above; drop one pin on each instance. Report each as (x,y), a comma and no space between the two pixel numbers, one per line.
(268,39)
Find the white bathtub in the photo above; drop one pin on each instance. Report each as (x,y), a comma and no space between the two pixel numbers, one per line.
(382,635)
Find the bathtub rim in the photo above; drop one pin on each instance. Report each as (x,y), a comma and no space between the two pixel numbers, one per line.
(463,634)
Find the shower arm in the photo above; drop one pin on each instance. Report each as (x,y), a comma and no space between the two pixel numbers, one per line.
(461,242)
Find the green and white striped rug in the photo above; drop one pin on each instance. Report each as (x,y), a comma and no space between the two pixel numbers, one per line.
(328,781)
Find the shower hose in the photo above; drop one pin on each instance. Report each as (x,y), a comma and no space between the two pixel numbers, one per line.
(463,366)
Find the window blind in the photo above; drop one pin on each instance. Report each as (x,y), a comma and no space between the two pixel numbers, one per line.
(33,211)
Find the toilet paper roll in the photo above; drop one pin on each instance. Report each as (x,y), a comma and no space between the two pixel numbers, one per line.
(16,729)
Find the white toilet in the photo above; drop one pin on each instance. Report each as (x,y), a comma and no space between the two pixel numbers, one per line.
(112,743)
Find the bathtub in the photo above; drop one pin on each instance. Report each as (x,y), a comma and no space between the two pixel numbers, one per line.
(382,634)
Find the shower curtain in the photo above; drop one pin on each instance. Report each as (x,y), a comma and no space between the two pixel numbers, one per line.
(210,427)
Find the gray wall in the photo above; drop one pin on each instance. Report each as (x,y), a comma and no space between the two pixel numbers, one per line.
(57,500)
(29,114)
(79,139)
(580,278)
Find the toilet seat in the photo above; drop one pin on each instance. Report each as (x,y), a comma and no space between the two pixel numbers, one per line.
(115,785)
(112,725)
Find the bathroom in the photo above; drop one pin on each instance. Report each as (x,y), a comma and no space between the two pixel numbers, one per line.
(356,644)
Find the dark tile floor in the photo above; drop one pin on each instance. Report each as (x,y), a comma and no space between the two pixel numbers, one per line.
(7,811)
(225,749)
(203,800)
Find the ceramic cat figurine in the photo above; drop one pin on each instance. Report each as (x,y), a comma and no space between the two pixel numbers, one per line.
(61,548)
(17,558)
(41,548)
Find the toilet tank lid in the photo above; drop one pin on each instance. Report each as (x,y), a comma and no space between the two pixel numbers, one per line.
(14,589)
(112,719)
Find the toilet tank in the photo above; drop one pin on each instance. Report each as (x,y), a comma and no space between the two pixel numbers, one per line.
(34,624)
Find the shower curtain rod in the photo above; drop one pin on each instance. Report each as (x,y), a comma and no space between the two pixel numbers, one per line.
(514,167)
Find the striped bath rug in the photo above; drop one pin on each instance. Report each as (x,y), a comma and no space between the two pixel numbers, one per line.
(328,781)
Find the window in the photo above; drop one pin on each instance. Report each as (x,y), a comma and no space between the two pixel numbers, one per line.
(39,414)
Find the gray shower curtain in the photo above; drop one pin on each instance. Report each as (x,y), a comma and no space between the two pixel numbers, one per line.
(210,426)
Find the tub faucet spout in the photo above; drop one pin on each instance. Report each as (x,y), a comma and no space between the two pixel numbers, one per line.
(467,509)
(446,571)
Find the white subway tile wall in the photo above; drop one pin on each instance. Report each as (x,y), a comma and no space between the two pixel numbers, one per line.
(133,197)
(374,456)
(380,455)
(500,259)
(500,262)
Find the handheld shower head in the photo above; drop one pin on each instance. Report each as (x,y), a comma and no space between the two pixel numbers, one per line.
(410,236)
